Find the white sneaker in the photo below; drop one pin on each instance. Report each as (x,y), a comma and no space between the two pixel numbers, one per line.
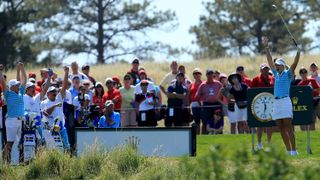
(259,146)
(294,153)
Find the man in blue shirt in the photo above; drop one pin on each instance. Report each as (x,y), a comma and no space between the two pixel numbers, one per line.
(110,119)
(13,93)
(282,106)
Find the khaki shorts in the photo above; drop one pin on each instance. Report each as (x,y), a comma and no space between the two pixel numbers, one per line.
(13,128)
(128,118)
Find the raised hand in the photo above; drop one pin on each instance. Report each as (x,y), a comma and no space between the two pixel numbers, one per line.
(66,69)
(265,41)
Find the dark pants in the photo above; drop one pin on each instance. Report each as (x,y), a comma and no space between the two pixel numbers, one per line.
(175,119)
(148,119)
(196,113)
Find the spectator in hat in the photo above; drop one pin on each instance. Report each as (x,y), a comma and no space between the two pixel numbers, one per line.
(238,94)
(116,82)
(86,70)
(110,118)
(196,104)
(13,94)
(128,112)
(143,76)
(81,104)
(134,71)
(75,72)
(215,124)
(176,95)
(264,79)
(112,94)
(145,106)
(314,72)
(209,93)
(51,107)
(87,85)
(306,81)
(97,99)
(166,81)
(246,80)
(228,105)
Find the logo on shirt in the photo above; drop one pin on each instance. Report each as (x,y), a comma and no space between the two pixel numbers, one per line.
(211,91)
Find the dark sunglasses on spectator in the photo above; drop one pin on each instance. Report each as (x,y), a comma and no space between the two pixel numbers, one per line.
(109,82)
(303,72)
(144,84)
(86,84)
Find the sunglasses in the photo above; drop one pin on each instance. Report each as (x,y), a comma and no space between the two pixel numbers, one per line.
(86,84)
(303,72)
(109,82)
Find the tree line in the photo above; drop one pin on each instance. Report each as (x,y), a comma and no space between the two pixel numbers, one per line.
(45,32)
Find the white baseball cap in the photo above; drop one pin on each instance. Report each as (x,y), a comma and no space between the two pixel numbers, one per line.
(108,103)
(13,82)
(264,65)
(280,62)
(29,84)
(52,88)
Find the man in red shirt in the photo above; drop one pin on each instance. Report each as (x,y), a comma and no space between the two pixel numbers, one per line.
(245,78)
(264,79)
(210,93)
(307,81)
(112,94)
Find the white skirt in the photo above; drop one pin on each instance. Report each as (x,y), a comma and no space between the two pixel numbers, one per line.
(282,108)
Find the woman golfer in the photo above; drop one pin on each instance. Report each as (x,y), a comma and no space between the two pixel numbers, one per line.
(282,106)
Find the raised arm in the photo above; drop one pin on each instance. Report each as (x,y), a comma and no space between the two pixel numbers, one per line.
(296,61)
(23,75)
(2,81)
(65,81)
(45,88)
(18,72)
(265,41)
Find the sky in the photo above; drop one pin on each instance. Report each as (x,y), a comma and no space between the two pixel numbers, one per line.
(188,13)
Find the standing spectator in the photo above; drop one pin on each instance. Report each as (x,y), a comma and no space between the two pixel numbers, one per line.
(216,75)
(238,93)
(134,71)
(44,75)
(166,81)
(210,93)
(97,96)
(282,105)
(246,80)
(145,106)
(225,90)
(215,124)
(87,86)
(14,97)
(52,108)
(116,82)
(86,70)
(305,81)
(143,76)
(264,79)
(75,85)
(314,72)
(81,104)
(196,104)
(128,113)
(187,82)
(176,95)
(75,72)
(112,94)
(110,118)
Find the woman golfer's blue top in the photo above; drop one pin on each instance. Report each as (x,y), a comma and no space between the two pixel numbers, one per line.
(282,83)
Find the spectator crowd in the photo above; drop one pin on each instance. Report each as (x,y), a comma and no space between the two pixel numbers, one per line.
(135,100)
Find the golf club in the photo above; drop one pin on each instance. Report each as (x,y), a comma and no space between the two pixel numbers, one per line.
(285,24)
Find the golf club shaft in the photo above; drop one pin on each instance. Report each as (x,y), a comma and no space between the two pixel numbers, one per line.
(285,24)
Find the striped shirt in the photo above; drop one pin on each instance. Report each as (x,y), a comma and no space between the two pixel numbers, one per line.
(282,83)
(15,102)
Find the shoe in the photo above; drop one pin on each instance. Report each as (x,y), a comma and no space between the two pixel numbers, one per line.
(259,146)
(294,153)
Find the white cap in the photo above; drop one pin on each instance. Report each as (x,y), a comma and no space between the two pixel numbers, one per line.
(98,83)
(108,103)
(13,82)
(264,65)
(280,62)
(108,79)
(52,88)
(29,84)
(32,79)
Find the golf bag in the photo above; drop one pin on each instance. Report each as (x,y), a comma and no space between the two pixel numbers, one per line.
(53,134)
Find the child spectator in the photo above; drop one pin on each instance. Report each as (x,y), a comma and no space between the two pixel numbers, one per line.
(215,124)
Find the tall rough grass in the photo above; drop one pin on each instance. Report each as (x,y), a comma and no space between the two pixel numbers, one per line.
(128,163)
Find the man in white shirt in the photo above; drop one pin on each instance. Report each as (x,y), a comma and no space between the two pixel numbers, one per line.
(143,76)
(52,108)
(314,72)
(76,72)
(166,81)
